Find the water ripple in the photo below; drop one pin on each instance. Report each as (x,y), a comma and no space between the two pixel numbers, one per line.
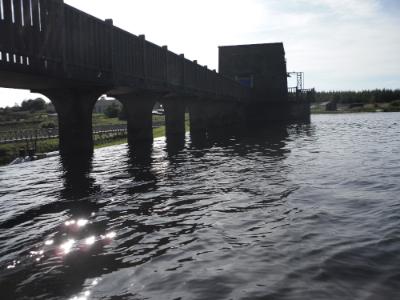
(295,212)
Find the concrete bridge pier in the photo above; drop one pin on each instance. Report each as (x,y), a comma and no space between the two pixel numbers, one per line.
(230,114)
(220,114)
(74,108)
(175,109)
(139,109)
(224,118)
(198,121)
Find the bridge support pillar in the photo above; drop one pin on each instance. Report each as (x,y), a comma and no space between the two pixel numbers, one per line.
(219,114)
(139,109)
(175,108)
(198,121)
(174,116)
(198,116)
(74,108)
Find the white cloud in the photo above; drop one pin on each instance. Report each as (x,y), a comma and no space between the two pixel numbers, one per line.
(10,97)
(352,8)
(339,44)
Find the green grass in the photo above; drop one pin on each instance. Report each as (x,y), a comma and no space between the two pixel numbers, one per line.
(10,151)
(37,120)
(159,132)
(101,119)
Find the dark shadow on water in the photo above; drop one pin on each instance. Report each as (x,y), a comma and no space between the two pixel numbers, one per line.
(175,143)
(270,141)
(139,167)
(140,153)
(78,182)
(198,139)
(74,197)
(267,141)
(78,266)
(80,198)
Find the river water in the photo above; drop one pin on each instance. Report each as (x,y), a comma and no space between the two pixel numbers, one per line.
(293,212)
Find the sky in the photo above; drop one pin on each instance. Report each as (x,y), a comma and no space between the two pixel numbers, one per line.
(339,44)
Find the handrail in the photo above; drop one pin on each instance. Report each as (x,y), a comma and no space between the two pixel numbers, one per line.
(13,136)
(57,40)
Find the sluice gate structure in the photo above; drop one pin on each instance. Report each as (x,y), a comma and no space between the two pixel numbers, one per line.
(73,58)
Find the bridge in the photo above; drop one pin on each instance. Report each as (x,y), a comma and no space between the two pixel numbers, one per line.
(73,58)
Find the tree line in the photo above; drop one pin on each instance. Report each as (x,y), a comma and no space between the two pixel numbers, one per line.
(30,105)
(28,110)
(366,96)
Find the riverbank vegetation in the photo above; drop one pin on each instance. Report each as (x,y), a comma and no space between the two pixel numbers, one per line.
(37,114)
(8,152)
(385,100)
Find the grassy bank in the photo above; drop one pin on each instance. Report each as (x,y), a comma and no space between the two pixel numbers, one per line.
(9,152)
(157,132)
(36,120)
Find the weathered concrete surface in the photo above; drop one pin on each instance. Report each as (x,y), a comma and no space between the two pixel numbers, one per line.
(197,115)
(74,108)
(262,114)
(175,109)
(139,107)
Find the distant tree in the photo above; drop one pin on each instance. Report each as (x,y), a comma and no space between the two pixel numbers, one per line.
(336,98)
(33,105)
(15,108)
(366,96)
(50,109)
(311,96)
(122,114)
(112,111)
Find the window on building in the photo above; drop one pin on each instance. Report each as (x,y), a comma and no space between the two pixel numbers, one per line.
(247,81)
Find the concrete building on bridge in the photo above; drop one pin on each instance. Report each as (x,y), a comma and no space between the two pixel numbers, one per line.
(261,67)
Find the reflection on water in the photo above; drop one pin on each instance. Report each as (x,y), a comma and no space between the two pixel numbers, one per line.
(293,212)
(175,143)
(198,139)
(78,182)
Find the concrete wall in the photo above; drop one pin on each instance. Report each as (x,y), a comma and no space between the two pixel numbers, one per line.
(265,64)
(262,114)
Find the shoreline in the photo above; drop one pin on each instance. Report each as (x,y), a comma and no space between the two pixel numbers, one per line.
(349,112)
(158,132)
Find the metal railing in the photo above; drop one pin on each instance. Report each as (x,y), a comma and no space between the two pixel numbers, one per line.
(56,40)
(296,94)
(27,135)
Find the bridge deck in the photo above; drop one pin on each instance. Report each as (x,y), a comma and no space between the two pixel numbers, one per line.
(49,43)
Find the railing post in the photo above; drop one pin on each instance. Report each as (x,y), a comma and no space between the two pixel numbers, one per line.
(205,78)
(196,79)
(183,70)
(142,37)
(63,37)
(165,48)
(215,83)
(110,23)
